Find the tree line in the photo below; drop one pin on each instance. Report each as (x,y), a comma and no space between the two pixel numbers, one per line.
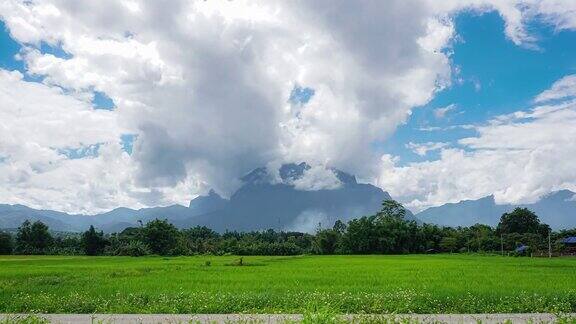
(386,232)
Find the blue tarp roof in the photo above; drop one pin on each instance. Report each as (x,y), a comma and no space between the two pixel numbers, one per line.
(569,240)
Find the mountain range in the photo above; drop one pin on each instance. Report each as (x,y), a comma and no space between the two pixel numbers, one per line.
(262,202)
(557,209)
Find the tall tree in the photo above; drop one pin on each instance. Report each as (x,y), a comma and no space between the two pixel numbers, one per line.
(6,244)
(520,220)
(449,244)
(24,238)
(326,241)
(93,242)
(161,236)
(392,208)
(361,236)
(339,227)
(33,238)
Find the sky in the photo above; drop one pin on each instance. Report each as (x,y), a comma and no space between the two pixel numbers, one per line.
(139,103)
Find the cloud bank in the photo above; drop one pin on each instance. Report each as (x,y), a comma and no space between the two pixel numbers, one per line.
(206,86)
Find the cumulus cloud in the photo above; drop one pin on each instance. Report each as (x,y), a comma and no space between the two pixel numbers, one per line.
(423,148)
(442,111)
(518,157)
(563,88)
(205,86)
(446,128)
(39,126)
(317,178)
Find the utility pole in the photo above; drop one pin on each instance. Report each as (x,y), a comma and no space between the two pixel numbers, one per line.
(549,244)
(501,245)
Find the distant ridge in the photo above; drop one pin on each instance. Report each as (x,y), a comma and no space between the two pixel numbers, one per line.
(557,209)
(262,202)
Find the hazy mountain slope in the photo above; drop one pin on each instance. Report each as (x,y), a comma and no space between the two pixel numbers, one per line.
(263,201)
(280,206)
(557,209)
(120,218)
(207,204)
(465,213)
(12,216)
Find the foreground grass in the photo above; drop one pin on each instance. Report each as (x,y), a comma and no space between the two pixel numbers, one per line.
(341,284)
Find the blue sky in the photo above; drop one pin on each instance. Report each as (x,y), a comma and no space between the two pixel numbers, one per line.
(497,77)
(10,48)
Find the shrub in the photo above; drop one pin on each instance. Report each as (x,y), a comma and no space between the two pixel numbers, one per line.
(133,248)
(6,243)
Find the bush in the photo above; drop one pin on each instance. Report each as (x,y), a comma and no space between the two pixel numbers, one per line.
(6,243)
(133,248)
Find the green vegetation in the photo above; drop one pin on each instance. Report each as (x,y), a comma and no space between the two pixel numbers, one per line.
(442,283)
(386,232)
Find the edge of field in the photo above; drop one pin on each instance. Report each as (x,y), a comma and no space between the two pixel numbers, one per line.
(288,318)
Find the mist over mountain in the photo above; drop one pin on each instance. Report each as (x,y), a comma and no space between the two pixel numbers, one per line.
(557,209)
(298,198)
(264,202)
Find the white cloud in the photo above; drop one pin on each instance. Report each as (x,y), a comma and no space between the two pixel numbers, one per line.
(317,177)
(206,86)
(517,157)
(423,148)
(34,113)
(446,128)
(559,13)
(563,88)
(37,124)
(442,111)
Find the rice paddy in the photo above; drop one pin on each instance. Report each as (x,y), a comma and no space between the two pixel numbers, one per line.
(374,284)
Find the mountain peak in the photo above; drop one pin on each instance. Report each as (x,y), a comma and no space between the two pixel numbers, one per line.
(210,201)
(290,172)
(257,176)
(293,171)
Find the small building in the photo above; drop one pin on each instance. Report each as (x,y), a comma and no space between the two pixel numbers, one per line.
(569,244)
(569,241)
(522,250)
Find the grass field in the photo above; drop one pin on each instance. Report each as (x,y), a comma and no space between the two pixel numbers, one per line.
(343,284)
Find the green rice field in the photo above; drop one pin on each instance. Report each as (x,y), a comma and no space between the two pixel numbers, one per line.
(343,284)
